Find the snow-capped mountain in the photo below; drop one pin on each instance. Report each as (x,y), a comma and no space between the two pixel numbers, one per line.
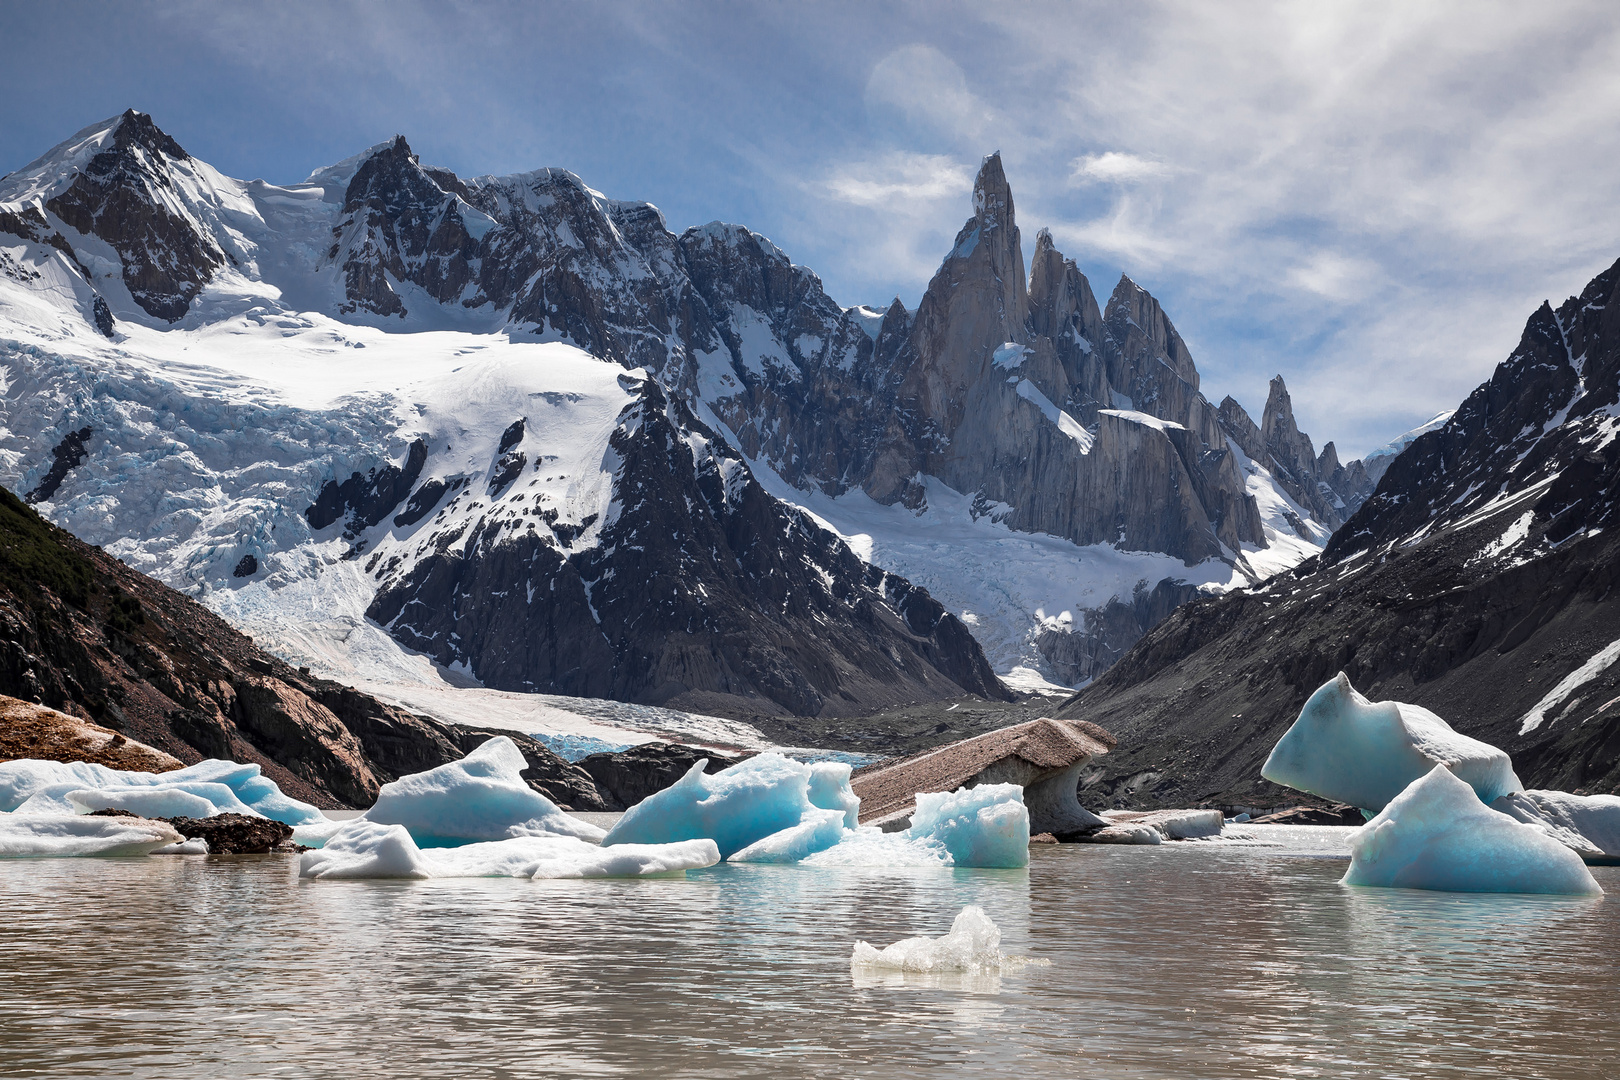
(1479,580)
(544,440)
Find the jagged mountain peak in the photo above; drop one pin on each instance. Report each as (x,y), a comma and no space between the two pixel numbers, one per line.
(992,195)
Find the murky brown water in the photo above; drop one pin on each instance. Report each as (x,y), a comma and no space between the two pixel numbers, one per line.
(1180,961)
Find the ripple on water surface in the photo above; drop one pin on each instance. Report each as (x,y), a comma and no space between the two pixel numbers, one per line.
(1177,961)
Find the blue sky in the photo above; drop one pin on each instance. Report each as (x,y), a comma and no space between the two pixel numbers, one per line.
(1369,198)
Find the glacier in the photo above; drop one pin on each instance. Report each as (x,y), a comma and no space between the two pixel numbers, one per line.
(481,797)
(1346,748)
(1437,834)
(367,849)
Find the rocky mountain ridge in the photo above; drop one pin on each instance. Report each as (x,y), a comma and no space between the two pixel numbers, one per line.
(1479,581)
(1049,416)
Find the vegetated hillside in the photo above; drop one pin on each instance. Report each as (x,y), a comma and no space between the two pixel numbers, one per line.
(1478,581)
(83,633)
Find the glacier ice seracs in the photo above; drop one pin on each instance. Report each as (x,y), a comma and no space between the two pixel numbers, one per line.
(33,836)
(1365,753)
(1437,834)
(481,797)
(366,849)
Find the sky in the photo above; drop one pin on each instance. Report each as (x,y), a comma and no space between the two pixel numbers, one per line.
(1368,198)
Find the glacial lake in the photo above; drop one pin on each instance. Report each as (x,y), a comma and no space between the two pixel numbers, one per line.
(1187,960)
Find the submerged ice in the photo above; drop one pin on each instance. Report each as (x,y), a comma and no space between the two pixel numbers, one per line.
(1364,753)
(1437,834)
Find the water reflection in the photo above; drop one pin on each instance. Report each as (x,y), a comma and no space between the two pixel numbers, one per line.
(1166,962)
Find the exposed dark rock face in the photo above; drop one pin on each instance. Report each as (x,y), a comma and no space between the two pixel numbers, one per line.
(1111,630)
(119,197)
(712,595)
(1482,573)
(629,776)
(370,498)
(246,566)
(65,456)
(103,317)
(565,784)
(82,633)
(234,834)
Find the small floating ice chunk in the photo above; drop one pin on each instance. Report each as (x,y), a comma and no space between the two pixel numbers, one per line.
(1438,835)
(734,807)
(1589,825)
(1351,750)
(973,946)
(35,836)
(817,831)
(986,826)
(481,797)
(365,849)
(195,846)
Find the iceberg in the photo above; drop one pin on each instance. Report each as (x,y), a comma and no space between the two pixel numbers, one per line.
(35,836)
(734,807)
(817,831)
(481,797)
(1437,834)
(30,787)
(986,825)
(1351,750)
(1588,825)
(830,790)
(973,947)
(367,849)
(870,846)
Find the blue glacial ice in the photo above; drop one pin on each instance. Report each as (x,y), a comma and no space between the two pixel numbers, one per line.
(366,849)
(734,807)
(33,787)
(481,797)
(24,836)
(1364,753)
(772,809)
(1437,834)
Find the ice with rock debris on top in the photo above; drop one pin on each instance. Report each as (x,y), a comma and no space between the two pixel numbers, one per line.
(1589,825)
(481,797)
(247,791)
(1351,750)
(1437,834)
(44,836)
(366,849)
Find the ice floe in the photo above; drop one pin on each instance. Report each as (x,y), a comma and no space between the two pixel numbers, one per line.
(973,947)
(24,836)
(1589,825)
(481,797)
(367,849)
(1437,834)
(1346,748)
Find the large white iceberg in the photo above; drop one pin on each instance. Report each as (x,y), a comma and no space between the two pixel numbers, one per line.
(44,787)
(33,836)
(481,797)
(1437,834)
(366,849)
(1589,825)
(1355,751)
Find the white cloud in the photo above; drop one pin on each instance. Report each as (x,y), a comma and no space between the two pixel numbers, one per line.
(1115,167)
(897,181)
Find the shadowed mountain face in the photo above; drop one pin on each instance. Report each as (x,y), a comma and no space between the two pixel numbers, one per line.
(1480,581)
